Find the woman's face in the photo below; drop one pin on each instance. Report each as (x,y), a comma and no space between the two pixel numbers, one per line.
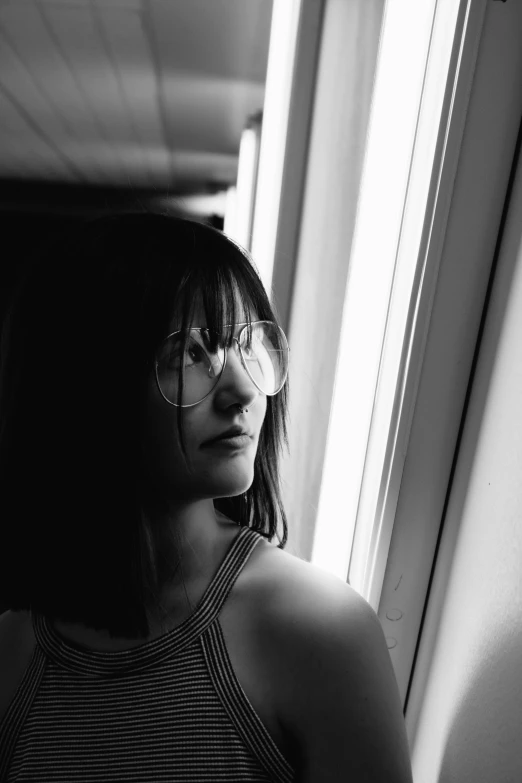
(217,471)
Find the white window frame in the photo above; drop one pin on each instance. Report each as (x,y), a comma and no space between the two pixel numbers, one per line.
(354,541)
(472,238)
(393,275)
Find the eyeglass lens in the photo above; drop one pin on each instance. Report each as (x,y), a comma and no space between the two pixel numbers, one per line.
(265,353)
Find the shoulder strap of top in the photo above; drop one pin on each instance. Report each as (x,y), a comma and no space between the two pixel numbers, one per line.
(231,567)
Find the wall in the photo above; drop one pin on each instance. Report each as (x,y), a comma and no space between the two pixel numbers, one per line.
(469,724)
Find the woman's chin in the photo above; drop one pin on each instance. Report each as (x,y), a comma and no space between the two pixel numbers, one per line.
(231,485)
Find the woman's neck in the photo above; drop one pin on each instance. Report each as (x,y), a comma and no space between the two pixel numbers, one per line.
(203,548)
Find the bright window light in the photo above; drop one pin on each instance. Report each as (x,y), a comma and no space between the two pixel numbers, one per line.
(205,204)
(229,223)
(240,200)
(246,180)
(384,254)
(281,55)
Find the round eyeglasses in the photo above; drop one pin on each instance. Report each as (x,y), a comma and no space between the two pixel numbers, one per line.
(194,360)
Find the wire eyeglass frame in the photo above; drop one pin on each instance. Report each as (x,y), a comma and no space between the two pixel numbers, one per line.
(237,339)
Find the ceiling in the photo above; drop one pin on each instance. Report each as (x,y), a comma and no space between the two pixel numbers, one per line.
(129,93)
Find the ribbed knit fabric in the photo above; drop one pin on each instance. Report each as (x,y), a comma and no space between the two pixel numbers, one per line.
(169,710)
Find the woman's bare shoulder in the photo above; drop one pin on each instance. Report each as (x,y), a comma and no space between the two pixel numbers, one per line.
(291,584)
(295,602)
(338,698)
(17,644)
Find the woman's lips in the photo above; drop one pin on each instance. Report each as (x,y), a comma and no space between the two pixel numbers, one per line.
(235,442)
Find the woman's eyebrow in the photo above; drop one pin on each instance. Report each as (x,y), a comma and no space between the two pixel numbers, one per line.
(241,323)
(193,326)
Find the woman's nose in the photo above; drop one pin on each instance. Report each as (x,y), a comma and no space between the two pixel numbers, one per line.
(236,374)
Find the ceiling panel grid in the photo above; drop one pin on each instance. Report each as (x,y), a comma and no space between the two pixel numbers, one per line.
(78,29)
(24,87)
(141,93)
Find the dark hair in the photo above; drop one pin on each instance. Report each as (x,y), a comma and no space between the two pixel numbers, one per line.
(76,499)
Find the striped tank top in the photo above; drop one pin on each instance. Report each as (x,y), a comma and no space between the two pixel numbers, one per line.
(169,710)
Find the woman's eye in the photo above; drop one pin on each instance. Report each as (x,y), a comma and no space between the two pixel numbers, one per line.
(195,353)
(251,350)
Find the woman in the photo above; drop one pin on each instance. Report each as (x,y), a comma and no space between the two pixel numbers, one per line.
(152,631)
